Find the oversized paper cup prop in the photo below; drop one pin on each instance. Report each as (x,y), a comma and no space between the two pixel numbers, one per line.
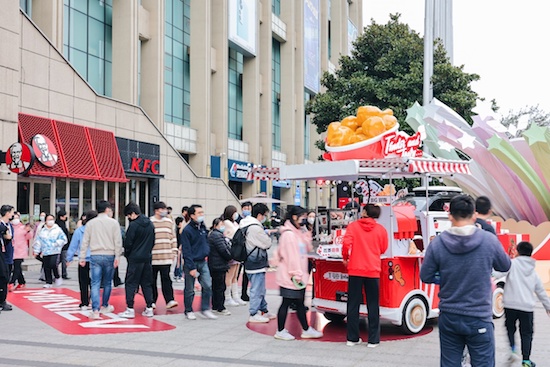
(45,150)
(19,158)
(372,134)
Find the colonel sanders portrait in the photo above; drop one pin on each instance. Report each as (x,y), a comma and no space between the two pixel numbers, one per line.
(45,157)
(17,165)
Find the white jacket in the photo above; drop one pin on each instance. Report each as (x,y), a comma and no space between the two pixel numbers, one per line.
(522,283)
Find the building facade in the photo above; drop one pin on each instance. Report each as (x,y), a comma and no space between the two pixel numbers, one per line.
(193,94)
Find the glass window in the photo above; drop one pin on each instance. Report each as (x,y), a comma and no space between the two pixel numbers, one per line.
(23,197)
(42,196)
(276,92)
(177,75)
(133,193)
(73,204)
(99,191)
(87,41)
(60,194)
(143,196)
(235,95)
(307,128)
(276,7)
(87,196)
(111,192)
(121,202)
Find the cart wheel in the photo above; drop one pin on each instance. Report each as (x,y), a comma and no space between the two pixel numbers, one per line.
(414,316)
(336,317)
(498,303)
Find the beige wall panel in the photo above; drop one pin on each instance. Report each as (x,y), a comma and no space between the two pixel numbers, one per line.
(34,69)
(82,89)
(35,98)
(84,110)
(11,17)
(125,120)
(32,40)
(105,115)
(9,82)
(61,77)
(8,129)
(62,104)
(8,108)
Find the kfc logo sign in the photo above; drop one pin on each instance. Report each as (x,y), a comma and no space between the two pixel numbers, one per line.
(20,158)
(45,150)
(145,165)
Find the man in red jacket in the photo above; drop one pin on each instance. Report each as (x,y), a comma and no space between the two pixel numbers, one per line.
(364,242)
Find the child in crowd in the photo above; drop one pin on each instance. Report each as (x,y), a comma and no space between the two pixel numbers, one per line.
(522,283)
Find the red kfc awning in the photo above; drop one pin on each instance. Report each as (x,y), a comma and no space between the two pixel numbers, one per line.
(83,152)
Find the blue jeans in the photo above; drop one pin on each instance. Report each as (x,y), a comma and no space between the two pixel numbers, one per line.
(257,293)
(102,269)
(457,331)
(205,280)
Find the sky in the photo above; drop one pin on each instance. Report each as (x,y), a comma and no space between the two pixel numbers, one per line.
(504,42)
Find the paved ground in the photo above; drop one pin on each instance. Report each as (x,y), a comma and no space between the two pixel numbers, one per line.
(26,341)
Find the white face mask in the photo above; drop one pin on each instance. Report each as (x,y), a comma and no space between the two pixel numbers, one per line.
(16,222)
(42,218)
(50,223)
(310,220)
(163,213)
(235,216)
(264,219)
(200,219)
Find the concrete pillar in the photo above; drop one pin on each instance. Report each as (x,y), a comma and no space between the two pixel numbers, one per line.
(218,81)
(266,90)
(125,44)
(48,16)
(152,63)
(10,91)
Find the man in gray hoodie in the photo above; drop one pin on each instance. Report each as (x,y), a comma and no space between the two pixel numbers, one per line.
(461,260)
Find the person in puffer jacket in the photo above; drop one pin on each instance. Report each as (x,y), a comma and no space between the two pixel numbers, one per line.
(48,244)
(292,272)
(218,264)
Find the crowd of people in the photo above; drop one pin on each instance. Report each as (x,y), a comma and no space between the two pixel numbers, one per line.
(198,254)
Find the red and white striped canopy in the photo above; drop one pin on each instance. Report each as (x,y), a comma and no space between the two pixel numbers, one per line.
(438,166)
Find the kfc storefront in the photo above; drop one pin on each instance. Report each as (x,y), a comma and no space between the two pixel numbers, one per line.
(67,166)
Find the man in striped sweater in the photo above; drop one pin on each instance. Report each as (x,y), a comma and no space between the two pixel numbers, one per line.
(164,253)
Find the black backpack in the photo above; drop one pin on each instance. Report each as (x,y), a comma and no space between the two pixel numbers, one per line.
(238,245)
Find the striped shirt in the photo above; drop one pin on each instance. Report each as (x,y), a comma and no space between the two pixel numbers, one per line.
(165,241)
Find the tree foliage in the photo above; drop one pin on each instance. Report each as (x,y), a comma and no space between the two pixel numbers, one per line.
(517,122)
(386,70)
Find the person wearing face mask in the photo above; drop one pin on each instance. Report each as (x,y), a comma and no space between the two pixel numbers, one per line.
(61,221)
(22,234)
(257,244)
(195,249)
(48,244)
(138,246)
(6,253)
(218,264)
(37,227)
(232,297)
(246,208)
(165,252)
(292,272)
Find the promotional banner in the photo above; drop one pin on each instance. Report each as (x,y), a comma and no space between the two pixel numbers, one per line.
(242,26)
(312,56)
(240,171)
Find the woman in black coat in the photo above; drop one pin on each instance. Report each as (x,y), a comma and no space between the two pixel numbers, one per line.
(218,263)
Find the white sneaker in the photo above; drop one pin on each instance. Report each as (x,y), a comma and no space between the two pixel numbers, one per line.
(94,315)
(269,315)
(258,318)
(153,305)
(106,309)
(311,333)
(148,312)
(58,282)
(240,301)
(372,345)
(351,344)
(209,315)
(284,335)
(231,302)
(222,312)
(190,316)
(170,304)
(128,314)
(84,308)
(47,285)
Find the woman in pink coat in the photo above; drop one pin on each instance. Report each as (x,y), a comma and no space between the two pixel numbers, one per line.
(292,272)
(22,234)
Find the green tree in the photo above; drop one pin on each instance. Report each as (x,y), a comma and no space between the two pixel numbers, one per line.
(518,121)
(386,70)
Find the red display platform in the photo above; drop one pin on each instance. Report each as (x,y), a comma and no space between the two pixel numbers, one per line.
(58,307)
(333,331)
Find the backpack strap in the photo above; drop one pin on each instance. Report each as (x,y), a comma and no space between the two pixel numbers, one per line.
(245,234)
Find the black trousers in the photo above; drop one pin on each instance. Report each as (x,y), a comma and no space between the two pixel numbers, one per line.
(355,298)
(4,278)
(50,265)
(84,283)
(525,329)
(244,291)
(17,274)
(300,312)
(218,290)
(166,283)
(61,259)
(139,274)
